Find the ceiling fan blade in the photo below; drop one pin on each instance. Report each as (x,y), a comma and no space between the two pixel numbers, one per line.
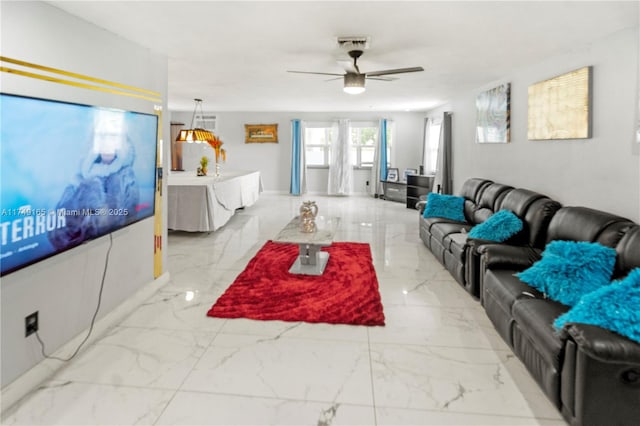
(396,71)
(317,73)
(381,78)
(333,79)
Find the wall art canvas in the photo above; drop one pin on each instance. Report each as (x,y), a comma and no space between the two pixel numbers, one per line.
(392,174)
(560,108)
(261,133)
(493,108)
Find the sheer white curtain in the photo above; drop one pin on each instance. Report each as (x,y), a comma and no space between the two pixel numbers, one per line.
(340,166)
(431,142)
(443,182)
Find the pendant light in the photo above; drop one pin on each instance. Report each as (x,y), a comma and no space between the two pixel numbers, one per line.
(195,134)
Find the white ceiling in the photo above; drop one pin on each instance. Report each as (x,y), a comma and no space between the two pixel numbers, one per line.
(235,54)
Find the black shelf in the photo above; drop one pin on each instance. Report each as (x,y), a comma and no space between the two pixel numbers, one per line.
(417,185)
(394,191)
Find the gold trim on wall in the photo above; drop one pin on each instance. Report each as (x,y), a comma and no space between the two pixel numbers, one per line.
(560,108)
(157,217)
(130,91)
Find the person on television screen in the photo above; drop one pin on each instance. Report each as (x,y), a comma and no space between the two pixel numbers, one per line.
(106,193)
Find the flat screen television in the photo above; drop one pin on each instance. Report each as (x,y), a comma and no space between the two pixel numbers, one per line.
(70,173)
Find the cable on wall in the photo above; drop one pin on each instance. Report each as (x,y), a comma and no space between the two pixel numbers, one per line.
(95,314)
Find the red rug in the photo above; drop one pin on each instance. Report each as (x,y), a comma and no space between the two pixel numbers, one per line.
(347,292)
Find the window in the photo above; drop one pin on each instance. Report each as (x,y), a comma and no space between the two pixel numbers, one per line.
(317,137)
(363,138)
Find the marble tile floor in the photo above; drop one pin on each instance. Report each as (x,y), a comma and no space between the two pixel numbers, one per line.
(438,360)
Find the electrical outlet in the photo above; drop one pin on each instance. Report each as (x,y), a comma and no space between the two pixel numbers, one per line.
(367,183)
(31,324)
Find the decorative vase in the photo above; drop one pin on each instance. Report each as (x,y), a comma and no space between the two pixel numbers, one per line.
(217,169)
(308,213)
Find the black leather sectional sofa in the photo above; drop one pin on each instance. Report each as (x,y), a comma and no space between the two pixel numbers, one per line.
(591,374)
(447,239)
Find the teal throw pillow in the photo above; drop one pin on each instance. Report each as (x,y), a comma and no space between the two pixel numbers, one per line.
(570,269)
(499,227)
(614,307)
(445,206)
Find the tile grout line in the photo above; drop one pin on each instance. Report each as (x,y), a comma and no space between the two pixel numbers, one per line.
(179,387)
(373,391)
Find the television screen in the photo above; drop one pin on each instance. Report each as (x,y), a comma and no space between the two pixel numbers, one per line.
(70,173)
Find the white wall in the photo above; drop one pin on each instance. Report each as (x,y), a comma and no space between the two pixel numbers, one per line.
(602,172)
(64,288)
(274,160)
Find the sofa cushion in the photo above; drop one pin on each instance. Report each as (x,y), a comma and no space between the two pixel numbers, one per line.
(570,269)
(499,227)
(500,290)
(446,206)
(470,209)
(519,200)
(457,245)
(614,307)
(472,188)
(430,221)
(585,224)
(492,195)
(628,250)
(440,230)
(536,222)
(503,286)
(535,320)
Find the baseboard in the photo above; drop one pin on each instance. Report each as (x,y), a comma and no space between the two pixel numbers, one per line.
(45,369)
(322,193)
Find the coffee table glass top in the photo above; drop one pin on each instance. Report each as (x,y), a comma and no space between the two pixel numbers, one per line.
(326,230)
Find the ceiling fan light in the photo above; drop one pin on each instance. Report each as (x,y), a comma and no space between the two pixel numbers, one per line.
(354,83)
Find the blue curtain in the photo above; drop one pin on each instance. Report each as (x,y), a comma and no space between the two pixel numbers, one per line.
(383,149)
(296,157)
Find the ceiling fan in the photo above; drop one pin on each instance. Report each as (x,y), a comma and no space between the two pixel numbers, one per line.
(354,79)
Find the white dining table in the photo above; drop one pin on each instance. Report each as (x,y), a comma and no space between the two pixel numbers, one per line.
(205,203)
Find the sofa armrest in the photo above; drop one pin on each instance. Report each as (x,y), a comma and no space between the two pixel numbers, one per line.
(474,243)
(600,381)
(420,205)
(604,345)
(473,265)
(503,256)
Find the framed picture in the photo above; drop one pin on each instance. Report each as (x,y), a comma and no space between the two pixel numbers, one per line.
(260,133)
(392,175)
(560,108)
(493,110)
(408,172)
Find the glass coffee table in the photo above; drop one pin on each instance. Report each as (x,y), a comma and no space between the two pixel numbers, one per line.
(311,260)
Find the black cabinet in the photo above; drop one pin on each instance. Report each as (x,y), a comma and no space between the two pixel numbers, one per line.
(417,186)
(394,191)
